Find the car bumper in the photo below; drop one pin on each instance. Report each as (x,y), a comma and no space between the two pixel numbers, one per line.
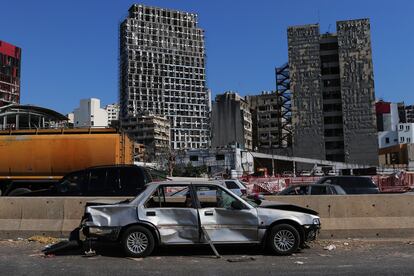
(102,233)
(311,231)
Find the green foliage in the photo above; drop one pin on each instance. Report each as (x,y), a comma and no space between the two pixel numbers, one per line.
(189,170)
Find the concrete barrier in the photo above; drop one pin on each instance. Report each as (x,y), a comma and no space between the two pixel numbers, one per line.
(358,216)
(50,216)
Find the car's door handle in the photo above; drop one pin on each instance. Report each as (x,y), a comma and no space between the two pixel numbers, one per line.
(151,214)
(208,213)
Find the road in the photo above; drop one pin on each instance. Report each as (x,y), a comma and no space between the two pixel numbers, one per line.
(357,257)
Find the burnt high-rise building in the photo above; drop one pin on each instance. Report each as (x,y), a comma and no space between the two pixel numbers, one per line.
(162,71)
(333,100)
(10,56)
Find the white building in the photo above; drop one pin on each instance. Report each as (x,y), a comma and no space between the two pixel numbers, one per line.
(71,117)
(113,112)
(387,122)
(90,114)
(406,133)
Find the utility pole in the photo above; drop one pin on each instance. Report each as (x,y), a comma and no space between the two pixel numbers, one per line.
(271,148)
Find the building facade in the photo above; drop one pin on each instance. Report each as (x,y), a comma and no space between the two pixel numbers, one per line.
(333,100)
(90,114)
(231,122)
(113,113)
(152,131)
(409,114)
(162,70)
(265,109)
(10,60)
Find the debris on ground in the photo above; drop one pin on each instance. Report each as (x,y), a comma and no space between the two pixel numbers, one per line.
(299,262)
(43,239)
(330,247)
(60,247)
(242,259)
(410,242)
(346,243)
(89,254)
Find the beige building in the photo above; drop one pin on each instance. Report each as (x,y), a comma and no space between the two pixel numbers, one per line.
(268,132)
(150,130)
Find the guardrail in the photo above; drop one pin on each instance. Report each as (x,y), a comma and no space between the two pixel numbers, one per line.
(356,216)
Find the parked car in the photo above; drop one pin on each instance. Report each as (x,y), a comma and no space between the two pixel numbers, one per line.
(318,173)
(305,173)
(331,173)
(313,189)
(352,184)
(153,219)
(114,180)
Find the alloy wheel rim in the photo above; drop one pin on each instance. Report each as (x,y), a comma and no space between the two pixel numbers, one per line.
(284,240)
(137,242)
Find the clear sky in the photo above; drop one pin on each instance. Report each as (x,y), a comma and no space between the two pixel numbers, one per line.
(70,48)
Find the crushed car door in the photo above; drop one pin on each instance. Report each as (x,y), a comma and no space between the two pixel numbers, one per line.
(174,214)
(223,223)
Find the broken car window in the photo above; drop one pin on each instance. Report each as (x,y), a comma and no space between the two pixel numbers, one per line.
(214,197)
(169,196)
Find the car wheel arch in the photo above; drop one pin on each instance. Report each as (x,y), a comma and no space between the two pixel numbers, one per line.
(291,222)
(147,225)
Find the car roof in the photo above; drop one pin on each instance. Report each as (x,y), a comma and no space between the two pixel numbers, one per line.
(312,184)
(187,182)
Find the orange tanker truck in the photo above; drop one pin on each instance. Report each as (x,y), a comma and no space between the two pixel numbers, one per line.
(34,159)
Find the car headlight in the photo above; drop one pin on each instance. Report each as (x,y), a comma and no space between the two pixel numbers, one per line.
(316,221)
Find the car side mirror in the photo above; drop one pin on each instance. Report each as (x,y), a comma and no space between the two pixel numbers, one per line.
(237,205)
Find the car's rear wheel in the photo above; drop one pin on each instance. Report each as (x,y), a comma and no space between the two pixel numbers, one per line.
(138,242)
(284,239)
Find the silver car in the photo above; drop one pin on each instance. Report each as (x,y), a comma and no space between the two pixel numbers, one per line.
(208,211)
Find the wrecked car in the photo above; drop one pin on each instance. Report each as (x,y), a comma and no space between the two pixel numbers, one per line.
(206,213)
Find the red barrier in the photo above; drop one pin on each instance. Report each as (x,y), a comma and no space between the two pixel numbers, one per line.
(395,183)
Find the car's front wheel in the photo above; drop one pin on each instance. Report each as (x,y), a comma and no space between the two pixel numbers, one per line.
(138,242)
(284,239)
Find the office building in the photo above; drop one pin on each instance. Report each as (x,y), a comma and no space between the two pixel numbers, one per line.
(231,122)
(333,100)
(162,71)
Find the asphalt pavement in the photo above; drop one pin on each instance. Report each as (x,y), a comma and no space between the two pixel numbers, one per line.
(356,257)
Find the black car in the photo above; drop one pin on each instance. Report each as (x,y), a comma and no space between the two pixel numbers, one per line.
(114,180)
(352,184)
(313,189)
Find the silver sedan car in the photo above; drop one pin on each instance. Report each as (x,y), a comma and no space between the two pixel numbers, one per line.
(208,212)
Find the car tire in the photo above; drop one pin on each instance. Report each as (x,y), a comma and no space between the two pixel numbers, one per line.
(19,192)
(138,242)
(284,239)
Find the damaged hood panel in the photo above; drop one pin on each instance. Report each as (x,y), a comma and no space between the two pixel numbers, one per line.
(290,207)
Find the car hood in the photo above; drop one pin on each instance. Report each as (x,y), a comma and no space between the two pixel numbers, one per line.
(288,207)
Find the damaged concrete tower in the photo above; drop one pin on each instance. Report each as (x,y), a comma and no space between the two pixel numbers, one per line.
(333,99)
(162,71)
(10,57)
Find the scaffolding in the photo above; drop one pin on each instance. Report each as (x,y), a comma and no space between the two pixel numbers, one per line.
(285,111)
